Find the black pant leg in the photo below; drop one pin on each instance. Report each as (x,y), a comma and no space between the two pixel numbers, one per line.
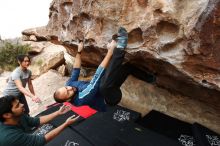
(115,76)
(114,68)
(108,86)
(119,76)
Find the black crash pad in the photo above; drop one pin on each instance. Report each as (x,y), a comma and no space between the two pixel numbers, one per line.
(50,110)
(68,138)
(204,136)
(120,114)
(136,135)
(43,129)
(103,128)
(60,119)
(168,126)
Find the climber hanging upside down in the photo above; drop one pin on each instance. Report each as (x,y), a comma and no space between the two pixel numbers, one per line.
(105,84)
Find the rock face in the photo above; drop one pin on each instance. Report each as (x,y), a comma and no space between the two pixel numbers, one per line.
(46,55)
(51,57)
(177,40)
(44,87)
(144,97)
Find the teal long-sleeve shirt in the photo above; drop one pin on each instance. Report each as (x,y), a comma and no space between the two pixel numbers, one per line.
(19,136)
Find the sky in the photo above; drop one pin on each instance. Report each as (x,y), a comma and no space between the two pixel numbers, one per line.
(18,15)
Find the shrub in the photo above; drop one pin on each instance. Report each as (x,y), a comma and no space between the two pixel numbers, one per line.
(8,53)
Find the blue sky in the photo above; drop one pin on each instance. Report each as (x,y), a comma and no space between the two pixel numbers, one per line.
(17,15)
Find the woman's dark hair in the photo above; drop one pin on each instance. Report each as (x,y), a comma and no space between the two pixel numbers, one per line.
(5,105)
(21,57)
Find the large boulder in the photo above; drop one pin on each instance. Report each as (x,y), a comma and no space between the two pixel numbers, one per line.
(36,47)
(51,57)
(4,79)
(143,97)
(177,40)
(44,87)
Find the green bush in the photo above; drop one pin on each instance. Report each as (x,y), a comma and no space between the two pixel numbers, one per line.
(9,52)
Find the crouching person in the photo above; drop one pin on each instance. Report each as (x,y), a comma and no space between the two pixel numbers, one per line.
(15,125)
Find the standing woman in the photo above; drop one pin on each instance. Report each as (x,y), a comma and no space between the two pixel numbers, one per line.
(18,80)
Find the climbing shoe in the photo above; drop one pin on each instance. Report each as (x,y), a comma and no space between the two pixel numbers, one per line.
(122,39)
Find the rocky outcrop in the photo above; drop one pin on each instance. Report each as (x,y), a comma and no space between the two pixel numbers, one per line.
(36,47)
(177,40)
(44,87)
(144,97)
(4,79)
(50,58)
(46,56)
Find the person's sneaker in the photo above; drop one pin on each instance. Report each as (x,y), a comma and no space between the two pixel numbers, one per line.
(122,39)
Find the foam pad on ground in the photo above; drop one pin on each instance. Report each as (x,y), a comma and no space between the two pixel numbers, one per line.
(204,136)
(43,129)
(103,128)
(120,114)
(68,138)
(50,109)
(136,135)
(59,119)
(168,126)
